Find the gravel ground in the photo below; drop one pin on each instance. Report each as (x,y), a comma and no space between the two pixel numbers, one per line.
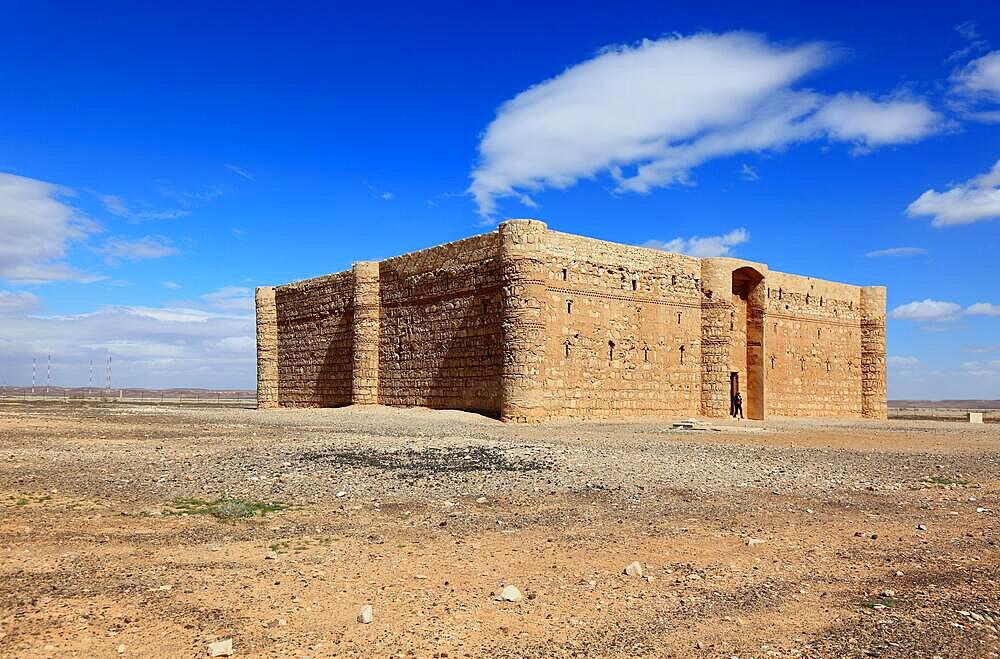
(878,539)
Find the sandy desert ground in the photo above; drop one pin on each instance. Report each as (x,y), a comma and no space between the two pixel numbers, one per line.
(130,530)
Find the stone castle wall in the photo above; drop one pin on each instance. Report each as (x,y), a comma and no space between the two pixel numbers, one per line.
(439,344)
(623,330)
(527,324)
(315,341)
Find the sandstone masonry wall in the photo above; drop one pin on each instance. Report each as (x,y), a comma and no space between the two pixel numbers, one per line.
(813,338)
(315,323)
(623,330)
(439,341)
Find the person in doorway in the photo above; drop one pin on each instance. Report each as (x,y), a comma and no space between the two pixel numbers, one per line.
(738,405)
(732,405)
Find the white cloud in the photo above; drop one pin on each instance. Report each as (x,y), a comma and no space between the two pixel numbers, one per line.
(234,298)
(926,310)
(140,249)
(237,344)
(748,173)
(868,123)
(980,77)
(18,302)
(972,201)
(983,309)
(975,88)
(897,251)
(702,246)
(648,114)
(171,285)
(240,171)
(37,227)
(902,362)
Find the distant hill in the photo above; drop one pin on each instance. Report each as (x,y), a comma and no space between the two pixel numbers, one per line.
(947,404)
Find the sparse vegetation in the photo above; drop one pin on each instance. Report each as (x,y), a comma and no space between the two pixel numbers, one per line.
(881,602)
(24,500)
(945,481)
(225,508)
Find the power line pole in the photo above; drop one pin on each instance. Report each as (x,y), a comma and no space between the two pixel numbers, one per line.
(33,368)
(90,380)
(48,375)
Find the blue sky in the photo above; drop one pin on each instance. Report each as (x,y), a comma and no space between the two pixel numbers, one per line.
(157,163)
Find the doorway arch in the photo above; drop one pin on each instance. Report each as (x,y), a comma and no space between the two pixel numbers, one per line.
(746,357)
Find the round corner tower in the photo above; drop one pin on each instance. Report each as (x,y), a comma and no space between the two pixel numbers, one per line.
(267,348)
(522,324)
(367,312)
(873,391)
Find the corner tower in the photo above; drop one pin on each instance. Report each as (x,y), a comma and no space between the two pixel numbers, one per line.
(522,323)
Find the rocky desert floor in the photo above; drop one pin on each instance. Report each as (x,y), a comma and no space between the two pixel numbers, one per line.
(130,530)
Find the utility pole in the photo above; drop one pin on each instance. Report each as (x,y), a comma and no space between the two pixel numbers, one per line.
(33,368)
(90,380)
(48,375)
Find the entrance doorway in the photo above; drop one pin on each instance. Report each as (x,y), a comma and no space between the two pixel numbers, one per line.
(747,348)
(734,388)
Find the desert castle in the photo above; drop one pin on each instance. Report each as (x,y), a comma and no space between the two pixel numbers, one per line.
(527,324)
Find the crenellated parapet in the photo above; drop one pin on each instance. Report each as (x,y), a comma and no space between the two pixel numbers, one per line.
(267,348)
(522,322)
(873,391)
(367,311)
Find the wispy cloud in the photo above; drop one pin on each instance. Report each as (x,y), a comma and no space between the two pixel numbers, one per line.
(748,173)
(231,298)
(974,43)
(896,251)
(974,200)
(117,206)
(240,171)
(140,249)
(37,228)
(18,302)
(384,195)
(702,246)
(648,114)
(983,309)
(171,285)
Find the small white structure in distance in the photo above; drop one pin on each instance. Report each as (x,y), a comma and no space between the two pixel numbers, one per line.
(975,417)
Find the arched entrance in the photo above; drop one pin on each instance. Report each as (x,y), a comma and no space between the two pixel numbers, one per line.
(746,357)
